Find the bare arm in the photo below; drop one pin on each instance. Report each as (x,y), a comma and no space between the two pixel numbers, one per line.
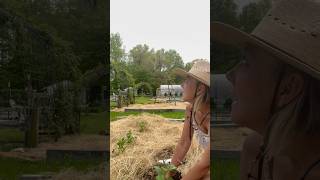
(185,140)
(201,168)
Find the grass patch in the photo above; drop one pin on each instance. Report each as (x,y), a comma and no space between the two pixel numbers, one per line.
(113,104)
(116,115)
(225,169)
(11,135)
(93,123)
(172,115)
(143,100)
(12,168)
(138,100)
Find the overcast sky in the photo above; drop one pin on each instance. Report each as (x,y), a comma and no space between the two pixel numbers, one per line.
(183,25)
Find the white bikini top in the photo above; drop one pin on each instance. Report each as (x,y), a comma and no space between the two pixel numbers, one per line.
(203,138)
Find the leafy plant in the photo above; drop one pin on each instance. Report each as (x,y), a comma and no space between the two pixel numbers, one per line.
(130,137)
(142,126)
(123,143)
(167,172)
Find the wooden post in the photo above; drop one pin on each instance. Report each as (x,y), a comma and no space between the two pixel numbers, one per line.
(32,131)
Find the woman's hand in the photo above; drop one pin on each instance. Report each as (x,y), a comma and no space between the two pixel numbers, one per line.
(184,142)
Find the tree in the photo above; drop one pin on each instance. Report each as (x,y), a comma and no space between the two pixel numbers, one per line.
(224,11)
(117,52)
(252,14)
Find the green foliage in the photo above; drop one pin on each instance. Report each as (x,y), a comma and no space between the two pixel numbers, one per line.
(121,144)
(224,11)
(252,14)
(225,57)
(164,170)
(39,38)
(13,168)
(225,169)
(172,115)
(65,119)
(142,126)
(144,87)
(124,142)
(117,52)
(141,66)
(93,123)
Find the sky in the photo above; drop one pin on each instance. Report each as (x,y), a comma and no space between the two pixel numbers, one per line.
(182,25)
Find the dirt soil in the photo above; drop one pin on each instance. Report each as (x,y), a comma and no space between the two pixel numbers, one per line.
(228,138)
(75,142)
(179,105)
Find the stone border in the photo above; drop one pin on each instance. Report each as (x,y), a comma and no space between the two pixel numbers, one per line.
(152,110)
(58,154)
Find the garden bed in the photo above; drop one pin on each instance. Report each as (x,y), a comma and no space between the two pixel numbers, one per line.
(151,141)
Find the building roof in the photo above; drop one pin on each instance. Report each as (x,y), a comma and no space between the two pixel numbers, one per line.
(171,86)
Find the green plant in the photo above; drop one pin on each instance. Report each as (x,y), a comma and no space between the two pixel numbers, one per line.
(167,172)
(142,126)
(130,137)
(123,143)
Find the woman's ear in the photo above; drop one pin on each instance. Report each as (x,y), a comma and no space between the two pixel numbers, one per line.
(290,87)
(202,88)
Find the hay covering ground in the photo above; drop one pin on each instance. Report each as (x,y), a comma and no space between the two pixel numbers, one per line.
(150,146)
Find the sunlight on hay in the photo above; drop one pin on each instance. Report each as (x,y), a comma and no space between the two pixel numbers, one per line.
(138,157)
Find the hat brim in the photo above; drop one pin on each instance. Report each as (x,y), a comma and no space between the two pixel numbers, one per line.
(226,34)
(182,73)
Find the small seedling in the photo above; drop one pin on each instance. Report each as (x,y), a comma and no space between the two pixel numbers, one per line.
(142,126)
(130,137)
(121,144)
(125,141)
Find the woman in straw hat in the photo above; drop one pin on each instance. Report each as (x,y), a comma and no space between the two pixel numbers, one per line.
(197,120)
(277,91)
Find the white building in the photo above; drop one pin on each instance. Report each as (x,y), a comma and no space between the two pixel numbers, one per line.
(166,90)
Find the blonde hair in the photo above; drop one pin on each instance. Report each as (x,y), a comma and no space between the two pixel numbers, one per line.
(201,98)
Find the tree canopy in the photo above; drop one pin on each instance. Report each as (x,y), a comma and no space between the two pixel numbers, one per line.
(50,40)
(142,66)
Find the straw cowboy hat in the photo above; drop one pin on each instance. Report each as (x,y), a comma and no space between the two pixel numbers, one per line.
(200,71)
(289,31)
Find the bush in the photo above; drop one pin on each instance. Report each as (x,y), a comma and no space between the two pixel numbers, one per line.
(65,117)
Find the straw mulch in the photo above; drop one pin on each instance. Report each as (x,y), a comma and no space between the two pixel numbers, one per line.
(157,142)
